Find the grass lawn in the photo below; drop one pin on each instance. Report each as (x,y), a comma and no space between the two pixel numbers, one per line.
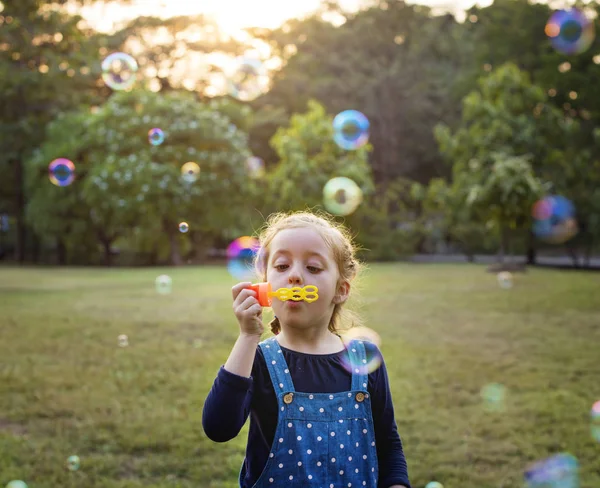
(133,414)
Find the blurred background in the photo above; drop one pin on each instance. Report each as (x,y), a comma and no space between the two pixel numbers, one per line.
(144,142)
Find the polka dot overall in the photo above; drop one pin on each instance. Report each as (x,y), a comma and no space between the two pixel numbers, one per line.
(322,440)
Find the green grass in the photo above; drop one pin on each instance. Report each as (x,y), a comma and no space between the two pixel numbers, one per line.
(133,415)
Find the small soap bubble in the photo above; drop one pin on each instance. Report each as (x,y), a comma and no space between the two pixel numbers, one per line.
(190,172)
(434,484)
(570,31)
(119,71)
(505,280)
(163,284)
(248,79)
(123,341)
(73,462)
(554,219)
(61,172)
(559,471)
(240,255)
(183,227)
(16,484)
(371,340)
(493,396)
(255,166)
(156,136)
(595,414)
(341,196)
(350,129)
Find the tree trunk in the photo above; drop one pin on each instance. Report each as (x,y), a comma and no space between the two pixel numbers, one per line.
(573,254)
(504,243)
(20,211)
(531,250)
(107,255)
(174,245)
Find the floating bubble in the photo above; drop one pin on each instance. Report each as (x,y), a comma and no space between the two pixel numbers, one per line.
(240,254)
(554,219)
(493,396)
(123,340)
(73,463)
(16,484)
(156,136)
(119,71)
(570,31)
(183,227)
(163,284)
(595,414)
(505,280)
(434,484)
(371,340)
(341,196)
(255,166)
(248,79)
(350,129)
(61,172)
(190,172)
(559,471)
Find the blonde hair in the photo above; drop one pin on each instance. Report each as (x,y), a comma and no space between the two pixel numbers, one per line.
(339,240)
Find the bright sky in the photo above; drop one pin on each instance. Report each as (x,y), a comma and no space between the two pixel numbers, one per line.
(232,15)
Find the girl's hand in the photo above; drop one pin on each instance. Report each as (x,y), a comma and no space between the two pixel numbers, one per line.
(247,310)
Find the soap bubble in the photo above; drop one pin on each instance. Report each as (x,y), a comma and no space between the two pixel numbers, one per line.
(190,172)
(119,71)
(559,471)
(341,196)
(156,136)
(248,80)
(240,254)
(554,219)
(255,166)
(596,421)
(123,340)
(16,484)
(184,227)
(493,396)
(73,463)
(350,129)
(163,284)
(434,484)
(61,172)
(505,280)
(371,340)
(570,31)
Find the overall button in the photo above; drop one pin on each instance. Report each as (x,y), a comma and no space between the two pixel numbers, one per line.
(360,397)
(288,398)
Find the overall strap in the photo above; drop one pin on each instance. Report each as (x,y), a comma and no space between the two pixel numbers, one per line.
(278,368)
(358,360)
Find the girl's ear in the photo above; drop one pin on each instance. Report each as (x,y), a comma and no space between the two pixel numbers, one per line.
(342,294)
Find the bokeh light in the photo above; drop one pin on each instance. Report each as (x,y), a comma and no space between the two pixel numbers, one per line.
(73,463)
(350,129)
(341,196)
(61,172)
(493,396)
(183,227)
(505,280)
(248,79)
(595,414)
(255,167)
(123,340)
(570,31)
(559,471)
(554,219)
(164,284)
(372,341)
(119,71)
(240,257)
(190,172)
(156,136)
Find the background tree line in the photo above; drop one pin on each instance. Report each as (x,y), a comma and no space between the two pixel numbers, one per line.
(471,123)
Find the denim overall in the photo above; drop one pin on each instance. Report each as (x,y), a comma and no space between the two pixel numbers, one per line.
(322,440)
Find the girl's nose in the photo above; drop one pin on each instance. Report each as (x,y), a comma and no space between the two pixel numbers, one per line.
(295,278)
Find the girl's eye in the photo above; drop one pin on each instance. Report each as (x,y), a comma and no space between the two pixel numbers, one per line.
(313,269)
(280,266)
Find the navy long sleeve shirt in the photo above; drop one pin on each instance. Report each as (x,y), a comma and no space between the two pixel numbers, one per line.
(232,398)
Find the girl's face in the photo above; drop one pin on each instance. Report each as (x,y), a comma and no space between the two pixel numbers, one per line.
(300,257)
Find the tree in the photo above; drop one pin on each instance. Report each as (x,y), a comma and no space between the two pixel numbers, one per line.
(133,189)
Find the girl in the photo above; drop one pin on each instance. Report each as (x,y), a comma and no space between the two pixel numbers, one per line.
(312,421)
